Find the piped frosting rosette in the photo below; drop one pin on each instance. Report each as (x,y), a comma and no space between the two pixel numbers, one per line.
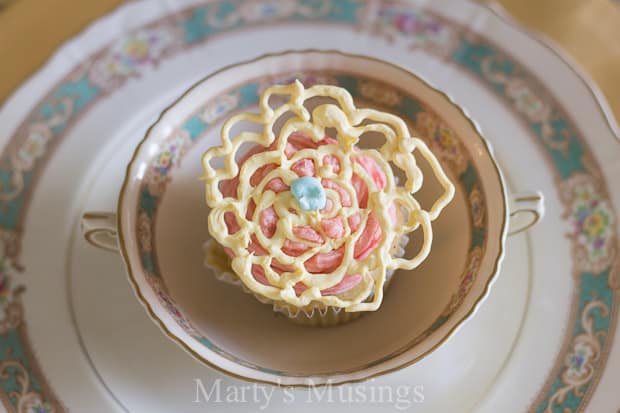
(309,219)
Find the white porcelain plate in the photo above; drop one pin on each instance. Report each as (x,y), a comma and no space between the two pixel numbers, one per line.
(72,334)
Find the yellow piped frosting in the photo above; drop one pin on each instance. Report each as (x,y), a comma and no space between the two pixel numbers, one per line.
(350,123)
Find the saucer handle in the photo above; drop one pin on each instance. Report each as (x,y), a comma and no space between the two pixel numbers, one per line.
(527,209)
(99,229)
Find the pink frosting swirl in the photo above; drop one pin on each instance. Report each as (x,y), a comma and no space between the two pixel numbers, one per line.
(320,263)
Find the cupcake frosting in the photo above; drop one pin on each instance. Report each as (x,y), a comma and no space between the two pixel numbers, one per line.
(312,218)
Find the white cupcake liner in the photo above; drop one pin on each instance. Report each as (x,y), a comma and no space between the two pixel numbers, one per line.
(314,314)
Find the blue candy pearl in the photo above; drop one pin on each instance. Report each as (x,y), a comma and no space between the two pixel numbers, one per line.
(309,193)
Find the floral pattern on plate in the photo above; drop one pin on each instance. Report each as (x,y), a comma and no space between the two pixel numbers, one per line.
(565,146)
(132,54)
(591,223)
(399,22)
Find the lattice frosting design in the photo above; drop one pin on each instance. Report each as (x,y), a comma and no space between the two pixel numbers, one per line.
(256,218)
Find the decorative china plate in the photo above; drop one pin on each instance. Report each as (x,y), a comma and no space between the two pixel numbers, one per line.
(74,338)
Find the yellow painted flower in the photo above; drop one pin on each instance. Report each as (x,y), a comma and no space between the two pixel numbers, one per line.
(164,159)
(446,139)
(137,49)
(594,224)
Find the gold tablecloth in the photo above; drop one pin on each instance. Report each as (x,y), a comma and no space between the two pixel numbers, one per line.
(30,31)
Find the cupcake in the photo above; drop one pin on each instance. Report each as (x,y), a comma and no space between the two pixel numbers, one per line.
(306,220)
